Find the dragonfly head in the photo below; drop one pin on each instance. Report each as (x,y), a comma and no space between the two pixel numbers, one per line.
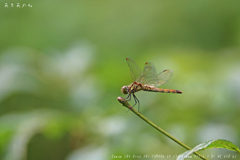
(124,90)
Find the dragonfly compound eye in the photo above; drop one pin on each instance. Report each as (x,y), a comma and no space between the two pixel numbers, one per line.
(124,90)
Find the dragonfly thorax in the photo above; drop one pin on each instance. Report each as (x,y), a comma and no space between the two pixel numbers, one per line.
(132,88)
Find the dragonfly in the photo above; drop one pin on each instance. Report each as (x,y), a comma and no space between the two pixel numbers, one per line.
(146,80)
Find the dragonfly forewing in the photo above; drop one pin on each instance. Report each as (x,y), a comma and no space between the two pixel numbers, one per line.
(134,68)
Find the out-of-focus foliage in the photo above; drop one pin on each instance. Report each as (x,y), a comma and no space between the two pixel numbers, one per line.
(218,143)
(62,65)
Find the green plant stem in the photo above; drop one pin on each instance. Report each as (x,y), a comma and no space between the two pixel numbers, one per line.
(126,104)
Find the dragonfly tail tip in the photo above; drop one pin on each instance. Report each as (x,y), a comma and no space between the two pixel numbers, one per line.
(179,91)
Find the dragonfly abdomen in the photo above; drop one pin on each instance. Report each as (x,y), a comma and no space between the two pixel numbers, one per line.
(153,89)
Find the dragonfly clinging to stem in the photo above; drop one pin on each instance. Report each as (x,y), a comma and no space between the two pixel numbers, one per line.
(146,80)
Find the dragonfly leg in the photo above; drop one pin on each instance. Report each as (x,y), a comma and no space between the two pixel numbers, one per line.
(136,102)
(135,99)
(129,96)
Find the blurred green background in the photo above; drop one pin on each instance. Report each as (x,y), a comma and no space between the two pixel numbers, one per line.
(63,63)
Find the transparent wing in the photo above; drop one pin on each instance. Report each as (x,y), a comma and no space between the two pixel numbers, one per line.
(149,72)
(134,68)
(160,78)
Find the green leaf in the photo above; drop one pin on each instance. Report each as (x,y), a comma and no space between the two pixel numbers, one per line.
(218,143)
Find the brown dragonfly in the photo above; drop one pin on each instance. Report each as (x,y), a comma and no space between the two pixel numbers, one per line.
(146,80)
